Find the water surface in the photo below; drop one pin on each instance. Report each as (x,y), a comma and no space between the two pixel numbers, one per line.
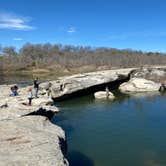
(131,131)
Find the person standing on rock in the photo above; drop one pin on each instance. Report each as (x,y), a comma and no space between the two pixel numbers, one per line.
(48,89)
(107,92)
(36,86)
(30,96)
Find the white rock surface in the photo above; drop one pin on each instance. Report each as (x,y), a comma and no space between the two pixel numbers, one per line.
(139,85)
(28,140)
(75,83)
(104,95)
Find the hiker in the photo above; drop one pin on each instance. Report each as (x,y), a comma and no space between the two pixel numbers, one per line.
(162,87)
(30,96)
(36,86)
(48,89)
(62,86)
(14,91)
(107,92)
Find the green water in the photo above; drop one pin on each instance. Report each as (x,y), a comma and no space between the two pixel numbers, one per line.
(131,131)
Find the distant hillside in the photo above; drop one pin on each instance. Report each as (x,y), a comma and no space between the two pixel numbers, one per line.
(74,58)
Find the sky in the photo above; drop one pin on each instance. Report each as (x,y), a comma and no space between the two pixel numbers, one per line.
(123,24)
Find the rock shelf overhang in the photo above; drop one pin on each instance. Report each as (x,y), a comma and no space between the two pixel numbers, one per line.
(88,83)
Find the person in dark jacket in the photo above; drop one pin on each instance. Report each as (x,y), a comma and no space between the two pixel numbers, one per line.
(36,86)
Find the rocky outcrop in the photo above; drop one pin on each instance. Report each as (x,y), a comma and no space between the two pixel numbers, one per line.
(139,85)
(104,95)
(157,75)
(30,141)
(27,139)
(70,85)
(89,83)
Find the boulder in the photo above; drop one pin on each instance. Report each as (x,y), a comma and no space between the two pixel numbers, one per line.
(139,85)
(104,95)
(157,75)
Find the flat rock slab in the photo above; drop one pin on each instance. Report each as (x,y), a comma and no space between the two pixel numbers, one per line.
(12,107)
(30,141)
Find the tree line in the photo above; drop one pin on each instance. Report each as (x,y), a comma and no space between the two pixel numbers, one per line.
(52,56)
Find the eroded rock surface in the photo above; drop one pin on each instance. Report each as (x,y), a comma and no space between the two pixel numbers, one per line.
(29,140)
(139,85)
(72,84)
(157,75)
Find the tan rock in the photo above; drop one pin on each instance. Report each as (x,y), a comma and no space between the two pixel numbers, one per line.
(75,83)
(104,95)
(139,85)
(30,141)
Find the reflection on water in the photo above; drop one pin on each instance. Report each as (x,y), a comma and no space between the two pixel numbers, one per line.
(144,94)
(126,132)
(79,159)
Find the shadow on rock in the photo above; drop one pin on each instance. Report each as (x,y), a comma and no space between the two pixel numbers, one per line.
(43,112)
(76,158)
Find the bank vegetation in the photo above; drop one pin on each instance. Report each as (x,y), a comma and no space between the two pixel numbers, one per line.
(68,58)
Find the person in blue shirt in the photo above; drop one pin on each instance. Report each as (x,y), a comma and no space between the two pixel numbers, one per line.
(14,90)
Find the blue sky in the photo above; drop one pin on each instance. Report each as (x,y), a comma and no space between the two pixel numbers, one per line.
(135,24)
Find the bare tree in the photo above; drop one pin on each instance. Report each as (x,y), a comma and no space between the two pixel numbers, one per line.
(70,57)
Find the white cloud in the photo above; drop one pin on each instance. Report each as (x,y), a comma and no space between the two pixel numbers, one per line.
(11,21)
(17,39)
(71,30)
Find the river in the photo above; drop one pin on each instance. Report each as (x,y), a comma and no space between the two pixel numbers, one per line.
(130,131)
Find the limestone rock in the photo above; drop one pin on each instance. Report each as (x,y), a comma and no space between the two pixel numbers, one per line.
(31,141)
(157,75)
(104,95)
(139,85)
(73,84)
